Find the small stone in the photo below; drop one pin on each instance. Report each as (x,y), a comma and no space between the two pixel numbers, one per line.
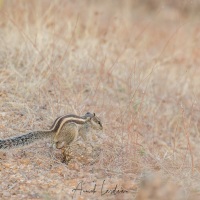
(129,185)
(73,182)
(25,161)
(6,194)
(7,165)
(2,155)
(74,166)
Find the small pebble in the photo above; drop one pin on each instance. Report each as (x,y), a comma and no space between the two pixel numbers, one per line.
(6,194)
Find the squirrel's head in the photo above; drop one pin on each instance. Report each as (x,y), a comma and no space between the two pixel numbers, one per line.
(94,121)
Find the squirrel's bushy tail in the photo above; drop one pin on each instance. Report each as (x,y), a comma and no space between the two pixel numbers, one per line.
(23,140)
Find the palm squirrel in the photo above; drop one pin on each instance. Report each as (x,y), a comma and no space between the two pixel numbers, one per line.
(64,131)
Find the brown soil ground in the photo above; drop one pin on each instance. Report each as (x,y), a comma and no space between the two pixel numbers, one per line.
(136,65)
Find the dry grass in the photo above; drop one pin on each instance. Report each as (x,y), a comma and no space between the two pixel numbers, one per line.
(135,65)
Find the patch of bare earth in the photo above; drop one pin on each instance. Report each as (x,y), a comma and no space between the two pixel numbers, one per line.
(135,65)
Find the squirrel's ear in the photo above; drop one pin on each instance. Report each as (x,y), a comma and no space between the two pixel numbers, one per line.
(88,114)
